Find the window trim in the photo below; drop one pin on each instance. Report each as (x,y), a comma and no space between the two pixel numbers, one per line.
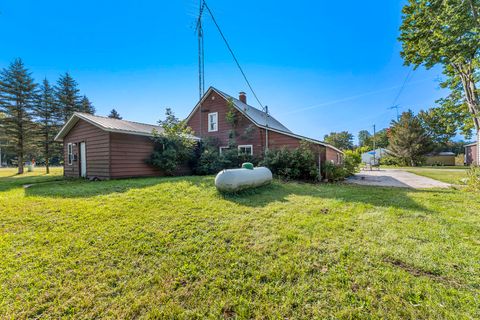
(246,146)
(70,153)
(221,148)
(216,122)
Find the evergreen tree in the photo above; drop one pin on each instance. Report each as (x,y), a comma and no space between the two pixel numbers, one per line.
(86,106)
(49,118)
(114,114)
(66,93)
(408,140)
(17,96)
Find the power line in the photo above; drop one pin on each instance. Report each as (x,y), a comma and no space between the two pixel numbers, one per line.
(394,104)
(233,55)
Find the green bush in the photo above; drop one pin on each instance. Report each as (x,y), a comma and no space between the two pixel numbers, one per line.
(351,162)
(174,146)
(391,161)
(473,179)
(335,172)
(297,164)
(210,161)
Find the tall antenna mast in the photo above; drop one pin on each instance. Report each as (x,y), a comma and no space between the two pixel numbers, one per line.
(201,64)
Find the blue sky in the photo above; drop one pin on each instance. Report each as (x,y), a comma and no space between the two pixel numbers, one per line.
(320,66)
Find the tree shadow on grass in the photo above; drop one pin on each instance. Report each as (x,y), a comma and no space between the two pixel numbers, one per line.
(15,181)
(376,196)
(79,188)
(259,197)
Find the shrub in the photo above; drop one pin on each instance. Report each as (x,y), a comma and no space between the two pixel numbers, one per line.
(297,164)
(172,147)
(473,179)
(352,161)
(210,161)
(391,161)
(335,172)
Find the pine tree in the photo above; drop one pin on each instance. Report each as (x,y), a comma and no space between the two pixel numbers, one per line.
(66,93)
(86,106)
(49,118)
(17,96)
(408,140)
(114,114)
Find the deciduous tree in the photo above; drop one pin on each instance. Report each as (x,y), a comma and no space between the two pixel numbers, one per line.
(446,33)
(364,138)
(342,140)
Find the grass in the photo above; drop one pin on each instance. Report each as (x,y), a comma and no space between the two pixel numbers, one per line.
(175,248)
(452,175)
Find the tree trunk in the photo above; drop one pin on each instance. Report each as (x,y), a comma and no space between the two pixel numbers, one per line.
(20,163)
(47,154)
(468,82)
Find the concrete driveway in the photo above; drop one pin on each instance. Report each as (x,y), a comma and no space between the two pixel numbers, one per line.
(395,178)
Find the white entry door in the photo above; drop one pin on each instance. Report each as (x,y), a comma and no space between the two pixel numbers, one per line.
(83,160)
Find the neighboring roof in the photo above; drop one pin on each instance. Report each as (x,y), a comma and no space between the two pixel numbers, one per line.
(470,144)
(378,150)
(110,125)
(259,118)
(445,153)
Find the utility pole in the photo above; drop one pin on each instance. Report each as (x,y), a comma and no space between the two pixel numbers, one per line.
(396,108)
(201,74)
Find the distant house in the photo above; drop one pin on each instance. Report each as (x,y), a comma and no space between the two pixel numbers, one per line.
(257,130)
(440,159)
(472,152)
(373,156)
(106,148)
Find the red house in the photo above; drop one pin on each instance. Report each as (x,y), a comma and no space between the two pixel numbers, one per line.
(105,148)
(256,130)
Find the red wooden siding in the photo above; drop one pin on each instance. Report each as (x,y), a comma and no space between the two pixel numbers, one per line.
(216,103)
(471,154)
(97,150)
(128,154)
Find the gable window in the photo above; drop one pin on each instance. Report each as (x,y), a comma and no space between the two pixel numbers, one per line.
(223,149)
(245,149)
(213,122)
(70,153)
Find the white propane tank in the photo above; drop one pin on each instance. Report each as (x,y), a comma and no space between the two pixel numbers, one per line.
(232,180)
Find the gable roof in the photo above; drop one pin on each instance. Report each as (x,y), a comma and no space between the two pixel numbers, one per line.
(110,125)
(259,118)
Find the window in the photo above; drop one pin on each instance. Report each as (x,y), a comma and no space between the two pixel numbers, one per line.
(213,122)
(70,153)
(245,149)
(222,149)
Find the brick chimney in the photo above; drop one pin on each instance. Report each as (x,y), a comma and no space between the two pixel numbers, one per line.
(242,96)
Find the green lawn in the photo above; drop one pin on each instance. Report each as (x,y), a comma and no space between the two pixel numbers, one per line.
(175,248)
(451,175)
